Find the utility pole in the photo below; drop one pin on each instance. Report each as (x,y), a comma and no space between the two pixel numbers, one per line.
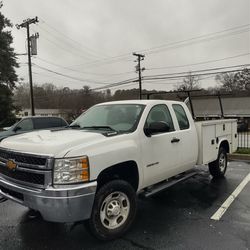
(26,24)
(140,57)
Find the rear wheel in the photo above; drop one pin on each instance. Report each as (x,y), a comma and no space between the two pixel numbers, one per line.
(218,167)
(113,211)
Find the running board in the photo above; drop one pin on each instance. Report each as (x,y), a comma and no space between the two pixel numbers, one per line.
(168,183)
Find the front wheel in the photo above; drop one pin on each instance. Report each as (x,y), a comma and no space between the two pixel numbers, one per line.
(113,211)
(218,167)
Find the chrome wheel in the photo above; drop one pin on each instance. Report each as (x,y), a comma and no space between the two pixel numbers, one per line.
(222,162)
(114,210)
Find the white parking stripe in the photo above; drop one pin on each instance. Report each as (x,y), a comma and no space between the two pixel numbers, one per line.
(219,213)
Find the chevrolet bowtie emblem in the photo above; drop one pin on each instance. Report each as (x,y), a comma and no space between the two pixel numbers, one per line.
(11,165)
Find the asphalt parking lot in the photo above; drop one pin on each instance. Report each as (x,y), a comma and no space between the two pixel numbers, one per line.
(178,218)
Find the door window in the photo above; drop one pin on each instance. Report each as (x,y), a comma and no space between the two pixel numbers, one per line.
(181,116)
(160,113)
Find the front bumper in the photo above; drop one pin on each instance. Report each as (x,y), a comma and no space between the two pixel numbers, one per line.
(63,204)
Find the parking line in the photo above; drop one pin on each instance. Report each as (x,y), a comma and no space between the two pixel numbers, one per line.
(219,213)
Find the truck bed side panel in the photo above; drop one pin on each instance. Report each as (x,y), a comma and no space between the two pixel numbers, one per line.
(211,134)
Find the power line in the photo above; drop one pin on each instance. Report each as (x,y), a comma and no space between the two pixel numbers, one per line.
(116,84)
(202,70)
(102,62)
(199,63)
(95,53)
(241,28)
(67,44)
(163,81)
(45,75)
(199,74)
(166,76)
(204,40)
(68,76)
(63,48)
(125,56)
(123,73)
(89,64)
(127,85)
(82,72)
(120,57)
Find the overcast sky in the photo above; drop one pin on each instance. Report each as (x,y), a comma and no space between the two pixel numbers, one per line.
(83,39)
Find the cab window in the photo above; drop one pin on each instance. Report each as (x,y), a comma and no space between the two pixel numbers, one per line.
(160,113)
(181,116)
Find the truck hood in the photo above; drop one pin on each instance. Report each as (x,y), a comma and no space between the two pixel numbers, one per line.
(49,142)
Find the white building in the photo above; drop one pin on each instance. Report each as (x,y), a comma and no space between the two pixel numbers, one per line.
(44,112)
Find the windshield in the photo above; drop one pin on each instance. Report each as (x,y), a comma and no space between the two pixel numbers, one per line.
(116,117)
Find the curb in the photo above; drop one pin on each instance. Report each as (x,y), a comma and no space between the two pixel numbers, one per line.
(242,157)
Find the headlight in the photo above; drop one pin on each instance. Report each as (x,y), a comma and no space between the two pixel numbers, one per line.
(71,170)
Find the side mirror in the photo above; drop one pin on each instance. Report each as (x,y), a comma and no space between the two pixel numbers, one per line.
(156,127)
(16,129)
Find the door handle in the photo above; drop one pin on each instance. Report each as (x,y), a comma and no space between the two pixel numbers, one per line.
(175,140)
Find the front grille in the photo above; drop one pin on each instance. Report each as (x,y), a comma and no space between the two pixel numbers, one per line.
(31,169)
(21,158)
(29,177)
(12,193)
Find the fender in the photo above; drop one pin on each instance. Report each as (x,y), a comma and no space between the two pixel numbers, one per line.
(225,143)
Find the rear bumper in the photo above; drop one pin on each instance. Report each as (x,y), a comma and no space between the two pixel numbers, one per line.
(64,204)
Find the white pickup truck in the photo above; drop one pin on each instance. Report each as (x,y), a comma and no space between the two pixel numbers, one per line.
(94,169)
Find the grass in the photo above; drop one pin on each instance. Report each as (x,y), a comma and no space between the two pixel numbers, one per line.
(243,151)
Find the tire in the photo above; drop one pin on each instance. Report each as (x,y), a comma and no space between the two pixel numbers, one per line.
(218,167)
(113,211)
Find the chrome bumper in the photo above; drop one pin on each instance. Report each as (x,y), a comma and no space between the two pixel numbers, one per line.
(63,204)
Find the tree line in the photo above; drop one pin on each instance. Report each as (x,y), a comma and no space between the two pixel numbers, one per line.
(47,96)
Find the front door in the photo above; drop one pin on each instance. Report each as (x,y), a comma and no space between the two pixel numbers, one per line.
(160,152)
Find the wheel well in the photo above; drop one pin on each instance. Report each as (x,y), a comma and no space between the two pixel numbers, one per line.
(225,145)
(127,171)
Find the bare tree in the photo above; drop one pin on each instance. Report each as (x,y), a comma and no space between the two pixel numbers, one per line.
(190,82)
(234,81)
(242,78)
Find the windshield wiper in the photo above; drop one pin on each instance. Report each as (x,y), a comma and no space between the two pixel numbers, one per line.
(99,127)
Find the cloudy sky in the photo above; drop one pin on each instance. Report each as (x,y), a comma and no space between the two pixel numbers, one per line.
(91,42)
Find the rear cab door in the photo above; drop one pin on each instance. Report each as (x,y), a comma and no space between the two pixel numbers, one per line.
(187,135)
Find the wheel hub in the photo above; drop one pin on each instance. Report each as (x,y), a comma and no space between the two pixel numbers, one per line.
(222,162)
(114,210)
